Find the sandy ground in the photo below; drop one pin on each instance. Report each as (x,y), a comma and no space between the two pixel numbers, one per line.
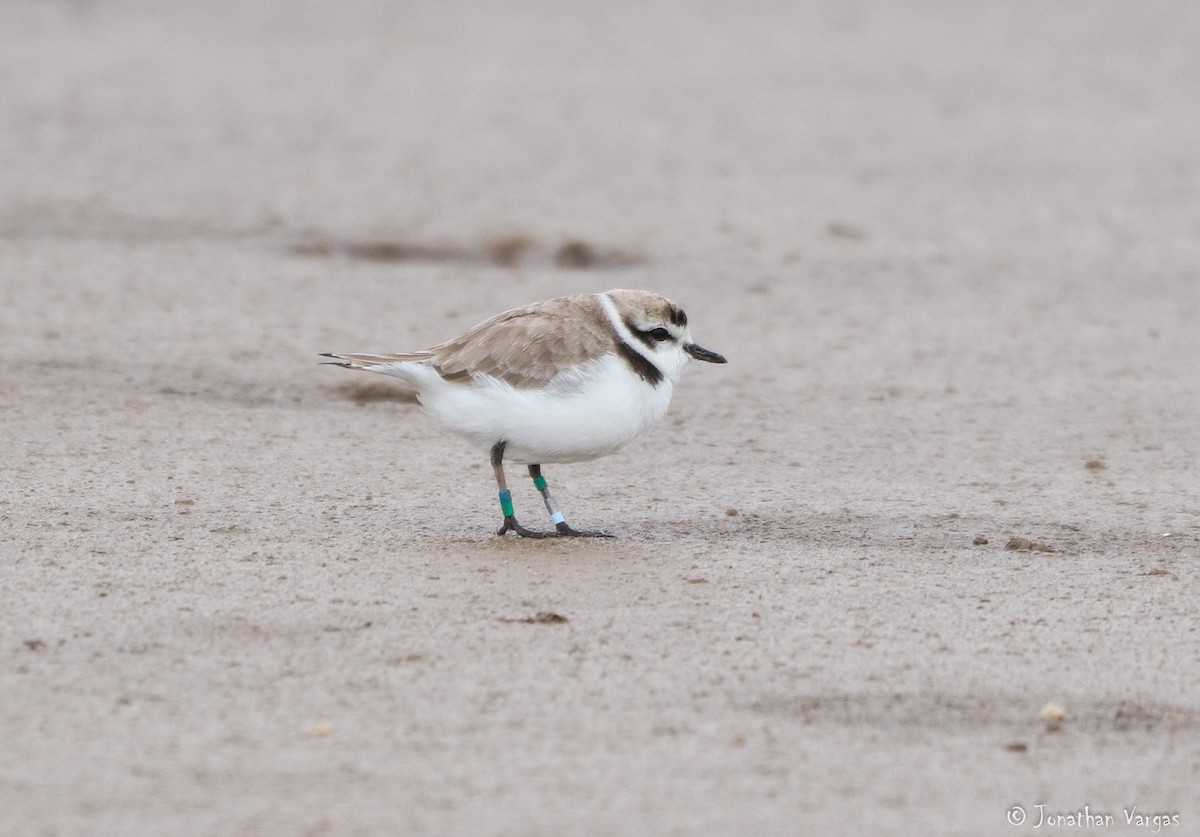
(950,249)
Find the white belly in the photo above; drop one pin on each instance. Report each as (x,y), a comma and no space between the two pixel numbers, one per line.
(595,413)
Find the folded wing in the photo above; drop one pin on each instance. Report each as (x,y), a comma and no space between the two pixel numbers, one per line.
(527,347)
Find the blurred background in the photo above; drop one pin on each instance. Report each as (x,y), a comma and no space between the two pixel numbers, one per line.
(674,131)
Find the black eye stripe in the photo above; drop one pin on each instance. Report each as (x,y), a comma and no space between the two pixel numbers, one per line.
(646,370)
(649,336)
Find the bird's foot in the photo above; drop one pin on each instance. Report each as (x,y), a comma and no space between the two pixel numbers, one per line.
(511,525)
(565,531)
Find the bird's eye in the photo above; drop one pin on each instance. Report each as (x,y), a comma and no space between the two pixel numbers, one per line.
(660,334)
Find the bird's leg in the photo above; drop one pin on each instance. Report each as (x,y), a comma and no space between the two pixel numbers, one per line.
(506,506)
(556,516)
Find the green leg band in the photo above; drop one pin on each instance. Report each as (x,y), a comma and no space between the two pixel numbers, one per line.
(539,482)
(506,505)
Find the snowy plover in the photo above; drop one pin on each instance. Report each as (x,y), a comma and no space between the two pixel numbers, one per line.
(565,380)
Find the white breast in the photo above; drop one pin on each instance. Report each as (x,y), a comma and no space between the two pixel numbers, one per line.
(595,410)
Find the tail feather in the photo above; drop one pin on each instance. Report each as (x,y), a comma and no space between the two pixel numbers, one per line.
(372,362)
(408,367)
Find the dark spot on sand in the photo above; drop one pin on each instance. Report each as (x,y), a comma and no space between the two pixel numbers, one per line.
(542,617)
(577,255)
(840,229)
(509,250)
(580,255)
(506,251)
(388,251)
(396,251)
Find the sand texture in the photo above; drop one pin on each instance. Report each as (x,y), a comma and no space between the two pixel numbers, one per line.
(948,478)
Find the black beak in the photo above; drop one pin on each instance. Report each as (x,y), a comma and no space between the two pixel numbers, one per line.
(700,353)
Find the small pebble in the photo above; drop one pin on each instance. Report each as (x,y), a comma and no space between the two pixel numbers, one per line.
(1053,715)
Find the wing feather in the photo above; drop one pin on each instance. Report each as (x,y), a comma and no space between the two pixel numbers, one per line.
(528,347)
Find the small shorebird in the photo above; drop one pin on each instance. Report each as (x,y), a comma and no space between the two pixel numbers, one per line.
(564,380)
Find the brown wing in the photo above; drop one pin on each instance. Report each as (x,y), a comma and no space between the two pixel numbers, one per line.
(527,347)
